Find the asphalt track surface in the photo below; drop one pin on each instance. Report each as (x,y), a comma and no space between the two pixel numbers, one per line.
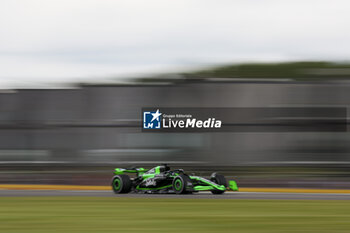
(202,195)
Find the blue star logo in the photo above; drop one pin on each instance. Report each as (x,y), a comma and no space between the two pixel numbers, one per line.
(151,120)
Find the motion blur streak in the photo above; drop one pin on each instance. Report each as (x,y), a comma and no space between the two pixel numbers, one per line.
(78,135)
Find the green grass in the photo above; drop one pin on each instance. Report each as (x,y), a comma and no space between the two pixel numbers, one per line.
(87,214)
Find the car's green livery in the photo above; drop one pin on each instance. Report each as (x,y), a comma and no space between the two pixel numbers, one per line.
(161,179)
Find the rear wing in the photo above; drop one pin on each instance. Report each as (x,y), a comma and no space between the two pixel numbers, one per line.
(121,171)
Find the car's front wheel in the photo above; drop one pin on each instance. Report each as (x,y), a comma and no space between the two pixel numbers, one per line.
(180,184)
(220,180)
(121,184)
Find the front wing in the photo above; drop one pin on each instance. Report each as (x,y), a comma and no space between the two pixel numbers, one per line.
(207,185)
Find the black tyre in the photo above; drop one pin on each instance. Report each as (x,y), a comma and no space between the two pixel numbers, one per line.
(121,184)
(180,184)
(219,179)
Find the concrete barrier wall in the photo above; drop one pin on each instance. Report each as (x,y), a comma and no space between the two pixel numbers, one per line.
(101,124)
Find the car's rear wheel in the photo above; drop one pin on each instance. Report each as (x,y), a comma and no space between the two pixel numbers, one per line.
(121,184)
(180,184)
(220,180)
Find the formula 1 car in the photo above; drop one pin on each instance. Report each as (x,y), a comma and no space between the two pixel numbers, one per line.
(161,179)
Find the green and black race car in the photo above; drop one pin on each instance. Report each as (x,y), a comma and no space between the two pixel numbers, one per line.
(161,179)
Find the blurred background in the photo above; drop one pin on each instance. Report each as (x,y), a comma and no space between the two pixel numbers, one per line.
(74,76)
